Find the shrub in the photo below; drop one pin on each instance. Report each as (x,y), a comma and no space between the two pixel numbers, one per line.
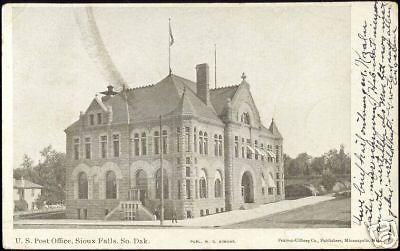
(328,181)
(20,205)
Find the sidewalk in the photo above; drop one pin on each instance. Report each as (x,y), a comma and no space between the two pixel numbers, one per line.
(221,219)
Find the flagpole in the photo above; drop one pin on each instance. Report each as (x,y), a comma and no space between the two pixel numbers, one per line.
(215,66)
(162,176)
(169,46)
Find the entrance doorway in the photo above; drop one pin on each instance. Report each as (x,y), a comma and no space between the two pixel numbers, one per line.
(141,185)
(247,188)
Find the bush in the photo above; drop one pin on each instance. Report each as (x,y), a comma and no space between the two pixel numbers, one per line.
(328,181)
(20,205)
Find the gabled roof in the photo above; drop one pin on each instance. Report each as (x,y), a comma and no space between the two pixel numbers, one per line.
(219,97)
(160,99)
(25,184)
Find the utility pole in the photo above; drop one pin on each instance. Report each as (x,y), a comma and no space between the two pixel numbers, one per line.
(162,177)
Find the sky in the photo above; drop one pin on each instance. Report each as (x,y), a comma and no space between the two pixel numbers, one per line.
(296,59)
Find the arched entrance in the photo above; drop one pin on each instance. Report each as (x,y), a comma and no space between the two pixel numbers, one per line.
(247,188)
(141,185)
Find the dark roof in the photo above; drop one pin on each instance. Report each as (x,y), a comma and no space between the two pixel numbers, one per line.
(160,99)
(173,95)
(274,130)
(219,97)
(25,184)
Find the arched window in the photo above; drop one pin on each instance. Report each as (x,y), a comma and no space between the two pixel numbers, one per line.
(205,143)
(201,142)
(82,186)
(203,184)
(218,185)
(245,118)
(111,185)
(158,184)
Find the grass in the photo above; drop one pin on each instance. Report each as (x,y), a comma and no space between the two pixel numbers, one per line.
(328,214)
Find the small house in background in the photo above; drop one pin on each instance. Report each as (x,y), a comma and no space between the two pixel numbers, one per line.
(26,194)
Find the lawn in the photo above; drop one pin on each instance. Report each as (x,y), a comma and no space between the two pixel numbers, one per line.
(329,214)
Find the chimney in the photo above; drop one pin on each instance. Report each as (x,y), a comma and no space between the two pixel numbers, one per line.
(202,83)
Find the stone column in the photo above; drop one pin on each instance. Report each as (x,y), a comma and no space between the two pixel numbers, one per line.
(228,153)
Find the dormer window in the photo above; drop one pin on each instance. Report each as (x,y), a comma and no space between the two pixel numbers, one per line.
(245,118)
(91,119)
(99,118)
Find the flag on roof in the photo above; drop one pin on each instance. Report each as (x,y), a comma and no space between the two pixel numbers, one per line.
(171,37)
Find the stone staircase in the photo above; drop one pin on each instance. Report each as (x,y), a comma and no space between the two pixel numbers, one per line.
(129,210)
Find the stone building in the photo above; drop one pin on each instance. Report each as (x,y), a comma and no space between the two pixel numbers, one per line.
(216,153)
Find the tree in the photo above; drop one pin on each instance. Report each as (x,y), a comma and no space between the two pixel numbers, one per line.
(317,165)
(49,173)
(25,169)
(27,162)
(286,164)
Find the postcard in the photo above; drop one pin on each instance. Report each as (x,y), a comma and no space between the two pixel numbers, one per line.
(200,126)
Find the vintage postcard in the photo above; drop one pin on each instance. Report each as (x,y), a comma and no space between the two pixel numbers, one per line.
(200,126)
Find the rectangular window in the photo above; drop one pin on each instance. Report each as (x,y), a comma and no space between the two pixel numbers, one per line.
(188,195)
(88,146)
(243,146)
(99,118)
(136,144)
(262,148)
(76,148)
(249,153)
(270,191)
(220,145)
(236,146)
(187,171)
(196,188)
(195,140)
(91,119)
(215,145)
(179,189)
(164,141)
(263,190)
(188,160)
(255,148)
(144,144)
(103,146)
(277,176)
(277,157)
(116,145)
(205,144)
(156,143)
(178,136)
(187,138)
(84,213)
(278,188)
